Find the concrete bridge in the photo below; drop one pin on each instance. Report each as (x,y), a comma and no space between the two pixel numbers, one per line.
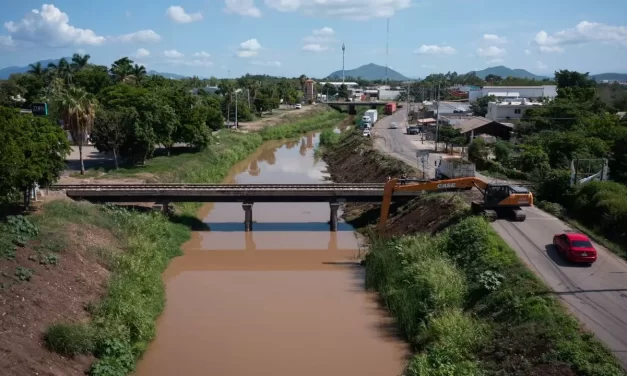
(247,194)
(352,105)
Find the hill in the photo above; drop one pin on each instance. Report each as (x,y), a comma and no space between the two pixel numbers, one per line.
(172,76)
(610,76)
(370,72)
(504,71)
(8,71)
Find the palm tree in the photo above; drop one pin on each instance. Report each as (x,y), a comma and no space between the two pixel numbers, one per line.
(37,70)
(122,69)
(62,70)
(138,72)
(79,61)
(302,80)
(77,108)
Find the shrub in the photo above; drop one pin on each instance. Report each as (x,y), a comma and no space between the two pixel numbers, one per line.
(329,137)
(70,339)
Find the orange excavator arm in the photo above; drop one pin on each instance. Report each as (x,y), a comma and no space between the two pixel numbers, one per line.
(430,186)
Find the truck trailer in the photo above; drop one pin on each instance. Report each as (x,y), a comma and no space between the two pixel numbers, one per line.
(453,168)
(390,108)
(373,115)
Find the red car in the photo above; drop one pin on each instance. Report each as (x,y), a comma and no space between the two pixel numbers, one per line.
(576,247)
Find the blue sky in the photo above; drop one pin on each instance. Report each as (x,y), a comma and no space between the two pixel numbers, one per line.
(292,37)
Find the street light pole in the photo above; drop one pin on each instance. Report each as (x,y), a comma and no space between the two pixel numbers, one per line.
(236,122)
(343,49)
(437,120)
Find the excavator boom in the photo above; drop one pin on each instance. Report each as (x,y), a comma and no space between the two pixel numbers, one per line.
(497,197)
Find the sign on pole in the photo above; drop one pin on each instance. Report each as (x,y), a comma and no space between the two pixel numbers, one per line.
(40,109)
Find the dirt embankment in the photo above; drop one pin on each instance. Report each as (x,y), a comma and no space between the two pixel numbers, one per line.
(354,160)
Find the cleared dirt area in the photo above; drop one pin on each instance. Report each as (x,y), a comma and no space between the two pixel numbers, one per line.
(284,117)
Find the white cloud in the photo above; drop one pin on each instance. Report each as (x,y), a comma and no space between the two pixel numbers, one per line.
(81,51)
(541,66)
(178,14)
(142,36)
(174,54)
(435,50)
(493,39)
(495,61)
(50,27)
(315,47)
(128,14)
(345,9)
(242,7)
(248,48)
(325,32)
(266,63)
(142,52)
(527,51)
(491,51)
(584,32)
(202,55)
(6,41)
(321,36)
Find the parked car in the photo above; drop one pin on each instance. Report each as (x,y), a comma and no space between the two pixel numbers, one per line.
(366,132)
(393,125)
(576,247)
(298,106)
(413,130)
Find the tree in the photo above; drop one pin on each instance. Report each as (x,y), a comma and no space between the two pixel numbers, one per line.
(111,129)
(493,79)
(79,62)
(343,91)
(138,72)
(477,150)
(572,79)
(618,163)
(77,108)
(122,69)
(37,70)
(450,136)
(480,106)
(502,151)
(63,70)
(33,152)
(94,79)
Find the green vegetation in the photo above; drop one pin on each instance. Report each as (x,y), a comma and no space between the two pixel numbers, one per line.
(329,137)
(123,323)
(470,307)
(326,120)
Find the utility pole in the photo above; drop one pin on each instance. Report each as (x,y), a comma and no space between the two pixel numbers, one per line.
(343,49)
(249,98)
(228,108)
(236,122)
(437,120)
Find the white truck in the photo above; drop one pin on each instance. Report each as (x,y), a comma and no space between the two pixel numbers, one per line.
(452,168)
(373,115)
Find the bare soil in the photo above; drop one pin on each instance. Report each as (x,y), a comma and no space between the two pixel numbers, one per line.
(287,116)
(55,293)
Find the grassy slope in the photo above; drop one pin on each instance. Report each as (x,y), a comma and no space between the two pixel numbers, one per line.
(123,323)
(465,301)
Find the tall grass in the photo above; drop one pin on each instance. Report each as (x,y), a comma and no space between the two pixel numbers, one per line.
(123,323)
(325,120)
(470,307)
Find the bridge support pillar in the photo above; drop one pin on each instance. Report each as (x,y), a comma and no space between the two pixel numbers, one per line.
(163,207)
(248,216)
(352,110)
(333,220)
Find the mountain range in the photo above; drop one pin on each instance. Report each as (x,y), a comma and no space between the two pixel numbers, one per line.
(366,72)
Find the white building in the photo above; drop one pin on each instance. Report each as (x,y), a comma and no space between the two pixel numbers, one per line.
(338,84)
(509,110)
(388,95)
(515,92)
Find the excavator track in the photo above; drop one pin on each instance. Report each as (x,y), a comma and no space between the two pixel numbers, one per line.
(519,215)
(477,208)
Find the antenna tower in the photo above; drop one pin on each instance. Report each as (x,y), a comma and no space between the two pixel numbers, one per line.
(387,44)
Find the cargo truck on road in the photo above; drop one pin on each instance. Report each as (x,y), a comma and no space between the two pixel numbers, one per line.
(373,115)
(453,168)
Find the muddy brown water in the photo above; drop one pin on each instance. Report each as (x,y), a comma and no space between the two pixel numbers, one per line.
(285,299)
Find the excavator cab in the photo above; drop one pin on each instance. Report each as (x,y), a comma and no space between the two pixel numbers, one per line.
(503,200)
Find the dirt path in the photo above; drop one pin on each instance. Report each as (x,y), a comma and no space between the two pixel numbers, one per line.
(278,119)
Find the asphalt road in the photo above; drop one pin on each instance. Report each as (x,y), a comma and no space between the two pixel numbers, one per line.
(596,295)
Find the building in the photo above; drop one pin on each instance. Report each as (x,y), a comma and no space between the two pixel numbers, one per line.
(338,84)
(388,95)
(310,91)
(509,109)
(515,92)
(476,126)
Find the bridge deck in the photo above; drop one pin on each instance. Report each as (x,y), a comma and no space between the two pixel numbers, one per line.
(230,192)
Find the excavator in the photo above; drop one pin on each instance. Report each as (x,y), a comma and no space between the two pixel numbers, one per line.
(499,200)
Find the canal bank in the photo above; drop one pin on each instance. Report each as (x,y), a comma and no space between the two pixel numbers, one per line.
(287,298)
(471,306)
